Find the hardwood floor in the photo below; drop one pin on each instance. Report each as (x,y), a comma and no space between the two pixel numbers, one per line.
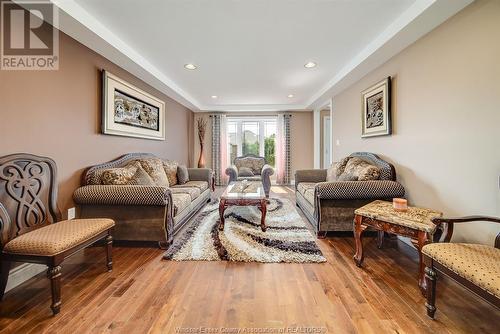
(146,294)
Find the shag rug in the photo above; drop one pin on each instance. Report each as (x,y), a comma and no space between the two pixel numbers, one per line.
(286,239)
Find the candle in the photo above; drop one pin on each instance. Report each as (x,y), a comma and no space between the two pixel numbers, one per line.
(400,204)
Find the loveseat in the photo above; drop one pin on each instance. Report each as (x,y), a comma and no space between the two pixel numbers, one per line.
(147,204)
(328,198)
(252,168)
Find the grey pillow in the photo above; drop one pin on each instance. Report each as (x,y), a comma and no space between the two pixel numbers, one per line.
(245,171)
(182,174)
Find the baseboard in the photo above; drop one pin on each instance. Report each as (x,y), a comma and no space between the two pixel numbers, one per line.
(24,272)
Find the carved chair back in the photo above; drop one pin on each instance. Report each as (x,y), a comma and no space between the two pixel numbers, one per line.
(252,161)
(28,194)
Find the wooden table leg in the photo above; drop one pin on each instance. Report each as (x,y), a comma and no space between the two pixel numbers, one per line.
(263,210)
(358,230)
(222,208)
(421,242)
(380,239)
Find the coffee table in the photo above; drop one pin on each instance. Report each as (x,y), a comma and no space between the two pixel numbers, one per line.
(415,223)
(240,193)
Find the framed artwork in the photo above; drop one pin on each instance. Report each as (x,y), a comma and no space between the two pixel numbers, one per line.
(129,111)
(376,110)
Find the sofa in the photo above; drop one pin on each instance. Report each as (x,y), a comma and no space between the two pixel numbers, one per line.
(252,168)
(145,205)
(328,198)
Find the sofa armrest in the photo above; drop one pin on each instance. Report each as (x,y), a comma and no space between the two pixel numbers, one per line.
(122,195)
(310,175)
(232,171)
(267,170)
(378,189)
(200,174)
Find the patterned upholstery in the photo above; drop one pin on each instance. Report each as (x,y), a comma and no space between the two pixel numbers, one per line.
(359,170)
(387,171)
(119,175)
(253,162)
(141,177)
(181,201)
(122,195)
(202,185)
(58,237)
(307,190)
(360,190)
(249,178)
(480,264)
(191,191)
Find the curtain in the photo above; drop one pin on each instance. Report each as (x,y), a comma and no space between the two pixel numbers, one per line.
(283,149)
(219,148)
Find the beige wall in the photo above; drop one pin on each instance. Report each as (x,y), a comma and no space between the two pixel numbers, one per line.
(57,114)
(301,140)
(446,118)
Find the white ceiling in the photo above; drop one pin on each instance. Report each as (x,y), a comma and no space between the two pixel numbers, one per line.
(251,54)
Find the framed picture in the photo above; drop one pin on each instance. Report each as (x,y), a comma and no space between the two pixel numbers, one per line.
(376,109)
(129,111)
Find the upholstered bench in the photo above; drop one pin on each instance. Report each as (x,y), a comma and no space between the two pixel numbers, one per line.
(477,267)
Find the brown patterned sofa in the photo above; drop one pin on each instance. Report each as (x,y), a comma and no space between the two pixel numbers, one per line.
(330,205)
(143,212)
(252,168)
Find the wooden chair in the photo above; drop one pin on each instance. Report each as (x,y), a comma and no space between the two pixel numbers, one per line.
(30,226)
(476,267)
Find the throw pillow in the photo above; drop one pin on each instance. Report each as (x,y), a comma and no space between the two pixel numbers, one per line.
(170,168)
(141,178)
(154,167)
(182,174)
(118,176)
(245,171)
(336,169)
(360,170)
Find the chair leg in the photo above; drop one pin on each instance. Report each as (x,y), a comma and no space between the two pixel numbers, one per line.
(109,252)
(4,276)
(430,277)
(54,274)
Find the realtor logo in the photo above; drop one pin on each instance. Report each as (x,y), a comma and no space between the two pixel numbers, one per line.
(28,40)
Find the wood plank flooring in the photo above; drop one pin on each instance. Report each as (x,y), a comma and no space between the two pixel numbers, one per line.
(145,294)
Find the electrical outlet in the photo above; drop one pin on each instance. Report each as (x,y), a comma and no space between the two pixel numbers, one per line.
(71,213)
(337,142)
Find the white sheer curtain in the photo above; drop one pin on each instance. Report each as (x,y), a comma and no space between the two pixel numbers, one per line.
(280,150)
(223,150)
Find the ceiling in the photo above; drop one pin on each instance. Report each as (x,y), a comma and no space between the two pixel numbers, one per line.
(250,54)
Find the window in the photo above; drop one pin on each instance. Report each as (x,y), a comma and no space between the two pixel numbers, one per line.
(251,136)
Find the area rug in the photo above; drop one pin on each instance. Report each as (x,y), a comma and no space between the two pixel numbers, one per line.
(287,239)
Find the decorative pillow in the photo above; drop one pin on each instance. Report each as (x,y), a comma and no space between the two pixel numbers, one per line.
(245,171)
(170,168)
(360,170)
(336,169)
(118,176)
(154,167)
(182,174)
(141,178)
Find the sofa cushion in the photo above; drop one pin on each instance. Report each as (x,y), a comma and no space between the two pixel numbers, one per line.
(249,178)
(154,167)
(170,168)
(191,191)
(182,174)
(118,176)
(57,237)
(255,164)
(181,202)
(357,169)
(141,178)
(480,264)
(306,189)
(245,171)
(202,185)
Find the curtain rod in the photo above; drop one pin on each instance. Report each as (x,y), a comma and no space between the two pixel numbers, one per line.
(253,116)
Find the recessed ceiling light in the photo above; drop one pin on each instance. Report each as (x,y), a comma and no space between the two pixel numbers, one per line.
(190,66)
(310,64)
(214,96)
(290,95)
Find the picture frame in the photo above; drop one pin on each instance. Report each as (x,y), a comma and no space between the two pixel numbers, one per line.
(129,111)
(376,119)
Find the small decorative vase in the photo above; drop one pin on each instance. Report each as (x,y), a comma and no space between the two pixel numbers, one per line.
(201,160)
